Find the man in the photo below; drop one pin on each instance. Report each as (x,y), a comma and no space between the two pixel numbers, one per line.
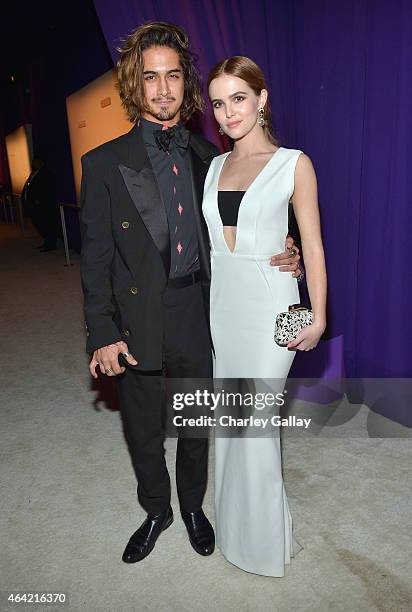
(146,270)
(40,202)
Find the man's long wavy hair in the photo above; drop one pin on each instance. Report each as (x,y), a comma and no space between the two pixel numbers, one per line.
(129,66)
(247,70)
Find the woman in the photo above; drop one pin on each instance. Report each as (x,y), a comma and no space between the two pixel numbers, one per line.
(246,198)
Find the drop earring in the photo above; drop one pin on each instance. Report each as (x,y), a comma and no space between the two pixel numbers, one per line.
(261,117)
(221,132)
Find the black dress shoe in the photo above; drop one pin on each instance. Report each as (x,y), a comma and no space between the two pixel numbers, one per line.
(201,534)
(144,539)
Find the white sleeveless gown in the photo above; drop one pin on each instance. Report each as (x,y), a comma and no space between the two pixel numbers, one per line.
(253,522)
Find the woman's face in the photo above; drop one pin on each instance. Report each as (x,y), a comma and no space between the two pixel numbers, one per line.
(235,105)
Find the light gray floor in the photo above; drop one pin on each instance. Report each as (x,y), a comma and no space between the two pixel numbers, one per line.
(68,490)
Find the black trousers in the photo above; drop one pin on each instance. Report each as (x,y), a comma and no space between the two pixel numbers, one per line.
(44,217)
(187,354)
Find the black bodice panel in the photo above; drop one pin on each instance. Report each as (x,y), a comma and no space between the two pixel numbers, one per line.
(229,202)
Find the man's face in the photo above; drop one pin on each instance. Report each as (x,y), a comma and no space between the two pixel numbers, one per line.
(163,84)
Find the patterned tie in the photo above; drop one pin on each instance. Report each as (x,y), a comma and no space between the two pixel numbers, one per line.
(178,135)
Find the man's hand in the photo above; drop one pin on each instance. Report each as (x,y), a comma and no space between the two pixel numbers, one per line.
(288,262)
(107,358)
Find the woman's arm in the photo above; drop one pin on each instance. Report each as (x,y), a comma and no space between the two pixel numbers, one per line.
(305,205)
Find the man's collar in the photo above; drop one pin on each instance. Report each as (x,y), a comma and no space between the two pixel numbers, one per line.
(155,134)
(148,126)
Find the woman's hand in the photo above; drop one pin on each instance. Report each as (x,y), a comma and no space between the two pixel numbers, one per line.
(308,337)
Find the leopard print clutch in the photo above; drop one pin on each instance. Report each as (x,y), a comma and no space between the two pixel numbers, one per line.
(288,324)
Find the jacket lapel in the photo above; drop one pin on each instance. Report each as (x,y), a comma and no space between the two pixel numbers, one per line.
(141,184)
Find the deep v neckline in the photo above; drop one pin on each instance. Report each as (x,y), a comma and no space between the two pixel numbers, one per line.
(245,194)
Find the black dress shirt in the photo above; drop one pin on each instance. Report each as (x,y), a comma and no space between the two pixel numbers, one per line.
(171,169)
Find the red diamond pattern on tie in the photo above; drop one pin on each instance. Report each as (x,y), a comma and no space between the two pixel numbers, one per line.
(180,209)
(179,248)
(175,169)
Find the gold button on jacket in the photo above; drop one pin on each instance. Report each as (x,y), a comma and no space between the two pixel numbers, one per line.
(126,332)
(125,224)
(134,290)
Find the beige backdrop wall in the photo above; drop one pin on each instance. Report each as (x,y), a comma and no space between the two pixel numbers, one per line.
(95,115)
(19,157)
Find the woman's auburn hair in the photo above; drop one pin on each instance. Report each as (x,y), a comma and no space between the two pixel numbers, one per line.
(247,70)
(130,82)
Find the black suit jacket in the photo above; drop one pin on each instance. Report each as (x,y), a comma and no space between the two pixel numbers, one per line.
(39,191)
(125,244)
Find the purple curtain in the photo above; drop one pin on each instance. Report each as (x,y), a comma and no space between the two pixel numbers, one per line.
(339,75)
(353,95)
(260,30)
